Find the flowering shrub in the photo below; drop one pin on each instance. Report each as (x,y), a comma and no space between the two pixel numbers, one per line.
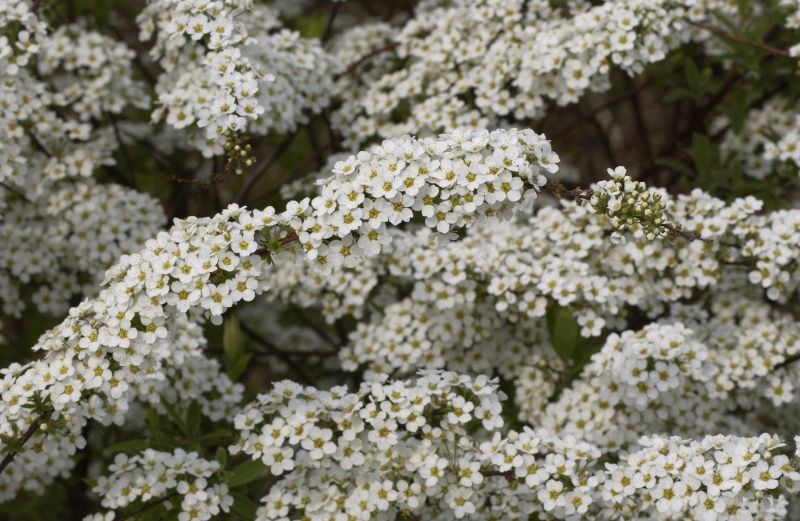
(437,259)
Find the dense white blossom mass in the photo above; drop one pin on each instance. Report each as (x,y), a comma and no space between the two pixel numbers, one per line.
(469,334)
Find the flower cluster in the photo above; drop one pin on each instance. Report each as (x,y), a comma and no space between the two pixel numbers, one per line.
(228,72)
(626,325)
(469,63)
(434,304)
(755,144)
(400,447)
(410,448)
(91,73)
(450,181)
(98,353)
(210,83)
(638,381)
(61,246)
(716,477)
(153,474)
(301,73)
(787,147)
(793,8)
(61,93)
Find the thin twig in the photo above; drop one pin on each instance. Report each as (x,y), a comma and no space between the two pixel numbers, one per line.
(329,26)
(146,506)
(265,166)
(129,175)
(789,360)
(272,349)
(365,58)
(310,323)
(638,118)
(14,191)
(579,195)
(34,427)
(739,39)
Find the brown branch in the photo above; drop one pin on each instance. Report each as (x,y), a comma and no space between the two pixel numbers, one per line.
(264,167)
(350,69)
(329,25)
(789,360)
(579,195)
(274,350)
(14,191)
(739,39)
(27,436)
(558,190)
(496,473)
(145,506)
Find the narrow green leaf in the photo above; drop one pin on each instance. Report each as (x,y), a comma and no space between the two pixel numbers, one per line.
(129,446)
(232,336)
(215,437)
(221,456)
(676,165)
(702,152)
(243,506)
(563,330)
(193,418)
(677,94)
(245,473)
(233,343)
(236,368)
(174,416)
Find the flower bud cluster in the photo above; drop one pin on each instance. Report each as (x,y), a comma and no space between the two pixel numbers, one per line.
(630,204)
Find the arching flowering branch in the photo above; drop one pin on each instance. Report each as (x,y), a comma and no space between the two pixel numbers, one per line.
(418,447)
(210,264)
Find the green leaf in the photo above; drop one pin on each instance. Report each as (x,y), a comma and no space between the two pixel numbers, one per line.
(585,352)
(243,506)
(193,418)
(218,436)
(674,164)
(174,416)
(692,75)
(563,330)
(232,337)
(233,342)
(245,473)
(702,152)
(129,446)
(677,94)
(237,367)
(221,456)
